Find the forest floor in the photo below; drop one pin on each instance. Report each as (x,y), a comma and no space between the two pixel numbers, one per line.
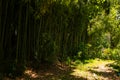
(91,70)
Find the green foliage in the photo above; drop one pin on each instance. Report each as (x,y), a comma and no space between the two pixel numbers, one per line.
(51,30)
(68,61)
(103,31)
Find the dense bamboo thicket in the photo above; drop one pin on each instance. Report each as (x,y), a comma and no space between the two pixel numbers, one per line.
(41,31)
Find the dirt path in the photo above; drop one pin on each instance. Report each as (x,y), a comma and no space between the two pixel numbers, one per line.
(104,72)
(98,72)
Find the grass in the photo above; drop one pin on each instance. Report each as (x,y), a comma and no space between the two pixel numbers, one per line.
(86,69)
(87,64)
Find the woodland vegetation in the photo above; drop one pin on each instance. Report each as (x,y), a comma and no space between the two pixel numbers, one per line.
(36,32)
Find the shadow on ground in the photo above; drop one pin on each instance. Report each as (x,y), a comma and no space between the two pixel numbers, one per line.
(107,74)
(61,71)
(49,72)
(56,72)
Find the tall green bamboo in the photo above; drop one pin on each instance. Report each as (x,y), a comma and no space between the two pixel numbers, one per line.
(44,28)
(18,34)
(1,51)
(24,47)
(4,28)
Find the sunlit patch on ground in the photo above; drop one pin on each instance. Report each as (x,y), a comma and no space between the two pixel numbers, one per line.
(85,74)
(31,73)
(95,70)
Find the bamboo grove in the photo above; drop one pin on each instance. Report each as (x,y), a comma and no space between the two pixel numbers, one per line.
(42,31)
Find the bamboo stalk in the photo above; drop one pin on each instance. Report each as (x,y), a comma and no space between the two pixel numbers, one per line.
(4,28)
(18,33)
(0,18)
(25,35)
(1,52)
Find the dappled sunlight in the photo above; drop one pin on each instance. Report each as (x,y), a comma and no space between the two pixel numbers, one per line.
(91,70)
(59,39)
(95,70)
(48,74)
(104,75)
(31,73)
(85,74)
